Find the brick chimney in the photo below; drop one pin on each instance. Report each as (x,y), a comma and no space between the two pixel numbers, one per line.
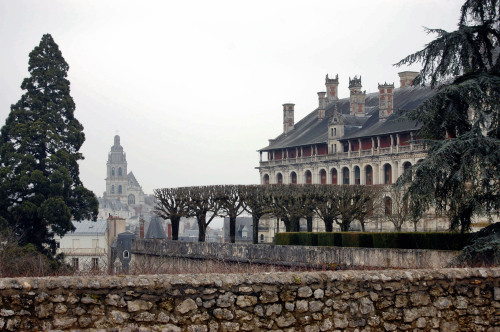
(406,78)
(141,228)
(288,122)
(321,105)
(331,85)
(386,94)
(358,97)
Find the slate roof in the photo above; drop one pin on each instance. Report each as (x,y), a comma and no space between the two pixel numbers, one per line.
(89,227)
(310,130)
(155,229)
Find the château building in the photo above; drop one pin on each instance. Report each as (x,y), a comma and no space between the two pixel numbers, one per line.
(362,139)
(357,140)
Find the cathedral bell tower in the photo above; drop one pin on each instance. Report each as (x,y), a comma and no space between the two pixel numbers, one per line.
(116,179)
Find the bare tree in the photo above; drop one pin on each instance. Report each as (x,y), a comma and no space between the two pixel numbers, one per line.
(371,196)
(171,203)
(326,204)
(290,203)
(257,201)
(397,207)
(202,202)
(231,205)
(352,204)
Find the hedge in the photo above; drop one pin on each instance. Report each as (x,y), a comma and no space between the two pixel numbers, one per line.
(403,240)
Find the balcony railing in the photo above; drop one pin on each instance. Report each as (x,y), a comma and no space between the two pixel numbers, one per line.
(343,155)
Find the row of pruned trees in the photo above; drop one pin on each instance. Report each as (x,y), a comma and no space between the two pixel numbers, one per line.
(340,205)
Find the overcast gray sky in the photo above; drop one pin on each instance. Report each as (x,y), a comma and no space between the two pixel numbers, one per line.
(195,88)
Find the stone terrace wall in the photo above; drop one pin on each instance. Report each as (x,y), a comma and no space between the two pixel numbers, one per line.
(417,300)
(295,255)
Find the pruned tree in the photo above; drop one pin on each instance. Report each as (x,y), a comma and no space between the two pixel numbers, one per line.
(231,205)
(353,204)
(399,209)
(461,122)
(202,203)
(290,203)
(372,207)
(257,202)
(326,204)
(172,203)
(40,187)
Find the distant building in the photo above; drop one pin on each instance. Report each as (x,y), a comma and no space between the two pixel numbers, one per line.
(88,247)
(244,230)
(124,196)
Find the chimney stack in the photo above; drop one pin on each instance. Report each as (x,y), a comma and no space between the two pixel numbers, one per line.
(386,94)
(406,78)
(331,85)
(321,106)
(358,97)
(141,228)
(288,121)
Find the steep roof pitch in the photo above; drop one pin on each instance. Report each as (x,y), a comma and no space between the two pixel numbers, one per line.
(310,130)
(155,230)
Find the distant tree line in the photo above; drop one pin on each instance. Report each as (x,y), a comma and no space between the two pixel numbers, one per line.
(335,205)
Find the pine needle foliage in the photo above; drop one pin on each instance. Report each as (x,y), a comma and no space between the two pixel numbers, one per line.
(461,122)
(40,188)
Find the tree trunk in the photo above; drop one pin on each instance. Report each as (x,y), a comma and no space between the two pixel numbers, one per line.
(309,223)
(294,224)
(175,227)
(255,229)
(345,225)
(232,228)
(202,228)
(362,223)
(328,225)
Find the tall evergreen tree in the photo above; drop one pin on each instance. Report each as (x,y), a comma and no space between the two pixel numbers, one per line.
(461,122)
(39,143)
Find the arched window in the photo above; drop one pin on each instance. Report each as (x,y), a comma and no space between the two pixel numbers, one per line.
(345,175)
(308,177)
(293,178)
(119,171)
(112,171)
(113,189)
(322,176)
(387,174)
(266,179)
(119,188)
(334,176)
(279,178)
(261,237)
(369,175)
(126,254)
(357,175)
(388,206)
(131,199)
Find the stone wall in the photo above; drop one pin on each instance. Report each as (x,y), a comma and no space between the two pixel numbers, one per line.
(294,255)
(417,300)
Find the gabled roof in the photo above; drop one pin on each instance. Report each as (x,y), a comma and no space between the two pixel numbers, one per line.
(133,180)
(310,130)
